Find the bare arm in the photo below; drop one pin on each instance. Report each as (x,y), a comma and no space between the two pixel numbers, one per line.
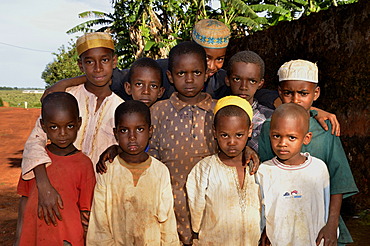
(22,205)
(329,231)
(322,116)
(251,155)
(62,85)
(49,199)
(108,155)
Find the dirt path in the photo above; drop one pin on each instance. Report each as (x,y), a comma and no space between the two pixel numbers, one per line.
(15,126)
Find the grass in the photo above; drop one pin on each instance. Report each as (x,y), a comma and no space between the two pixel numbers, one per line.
(16,98)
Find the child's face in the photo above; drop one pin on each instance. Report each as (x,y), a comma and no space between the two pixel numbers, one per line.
(244,80)
(287,135)
(61,127)
(232,133)
(300,92)
(215,60)
(132,134)
(145,85)
(188,76)
(98,64)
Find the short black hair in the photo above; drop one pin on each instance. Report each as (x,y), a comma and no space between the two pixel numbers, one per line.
(59,101)
(294,111)
(129,107)
(229,111)
(147,63)
(185,48)
(246,56)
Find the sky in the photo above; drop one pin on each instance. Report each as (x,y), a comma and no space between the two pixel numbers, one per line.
(32,30)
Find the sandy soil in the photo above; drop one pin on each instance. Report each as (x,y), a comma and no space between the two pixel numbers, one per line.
(15,126)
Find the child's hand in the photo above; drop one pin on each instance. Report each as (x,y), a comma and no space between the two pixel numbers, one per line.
(49,204)
(329,234)
(251,155)
(322,116)
(108,154)
(264,241)
(85,216)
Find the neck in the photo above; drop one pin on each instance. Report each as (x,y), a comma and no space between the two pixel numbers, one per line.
(56,150)
(99,91)
(134,159)
(192,100)
(236,161)
(298,160)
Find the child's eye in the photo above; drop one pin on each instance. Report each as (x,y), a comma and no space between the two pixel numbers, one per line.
(181,73)
(53,127)
(220,59)
(70,126)
(292,138)
(154,86)
(239,135)
(105,60)
(123,130)
(224,135)
(304,93)
(197,73)
(253,82)
(287,93)
(236,79)
(276,136)
(141,129)
(138,84)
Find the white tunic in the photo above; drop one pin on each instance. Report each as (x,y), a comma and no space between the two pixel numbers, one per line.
(94,136)
(222,212)
(296,200)
(124,214)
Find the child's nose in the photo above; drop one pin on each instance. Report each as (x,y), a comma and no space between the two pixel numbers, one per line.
(146,90)
(98,67)
(244,85)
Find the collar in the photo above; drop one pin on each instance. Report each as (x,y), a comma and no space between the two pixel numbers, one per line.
(205,104)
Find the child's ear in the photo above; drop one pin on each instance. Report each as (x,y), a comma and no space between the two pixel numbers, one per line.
(115,60)
(43,125)
(250,130)
(227,81)
(115,134)
(127,86)
(169,76)
(150,131)
(317,93)
(161,91)
(260,84)
(79,63)
(79,121)
(214,131)
(307,138)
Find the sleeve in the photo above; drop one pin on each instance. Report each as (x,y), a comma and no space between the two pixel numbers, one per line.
(98,232)
(264,146)
(259,180)
(34,153)
(166,214)
(326,187)
(24,186)
(154,140)
(196,187)
(87,185)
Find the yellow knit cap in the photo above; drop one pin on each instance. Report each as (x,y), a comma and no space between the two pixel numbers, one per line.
(94,40)
(211,33)
(236,101)
(299,70)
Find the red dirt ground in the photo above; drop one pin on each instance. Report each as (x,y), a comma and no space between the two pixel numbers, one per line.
(15,126)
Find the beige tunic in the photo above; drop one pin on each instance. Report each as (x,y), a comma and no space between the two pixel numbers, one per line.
(222,212)
(123,214)
(94,136)
(182,136)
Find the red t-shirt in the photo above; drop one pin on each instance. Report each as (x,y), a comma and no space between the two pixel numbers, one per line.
(74,179)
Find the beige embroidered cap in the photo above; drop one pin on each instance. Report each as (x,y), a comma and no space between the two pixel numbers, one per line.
(94,40)
(299,70)
(211,33)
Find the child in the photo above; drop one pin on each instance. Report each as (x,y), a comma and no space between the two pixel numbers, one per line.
(71,174)
(96,104)
(224,199)
(298,84)
(145,81)
(182,125)
(133,202)
(294,185)
(244,77)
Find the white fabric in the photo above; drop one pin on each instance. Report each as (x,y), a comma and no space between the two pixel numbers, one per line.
(222,212)
(296,200)
(123,214)
(94,136)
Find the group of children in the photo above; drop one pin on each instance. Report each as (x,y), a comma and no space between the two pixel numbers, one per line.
(180,172)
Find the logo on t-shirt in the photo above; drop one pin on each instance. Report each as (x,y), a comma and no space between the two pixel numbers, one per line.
(292,194)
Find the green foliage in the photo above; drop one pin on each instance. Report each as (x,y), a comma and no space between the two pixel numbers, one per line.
(152,27)
(64,66)
(16,98)
(1,102)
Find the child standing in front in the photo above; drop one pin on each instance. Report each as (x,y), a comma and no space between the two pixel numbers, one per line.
(224,199)
(133,202)
(298,83)
(72,174)
(294,185)
(245,75)
(182,125)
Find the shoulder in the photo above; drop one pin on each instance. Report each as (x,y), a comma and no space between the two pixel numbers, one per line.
(267,112)
(160,106)
(205,164)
